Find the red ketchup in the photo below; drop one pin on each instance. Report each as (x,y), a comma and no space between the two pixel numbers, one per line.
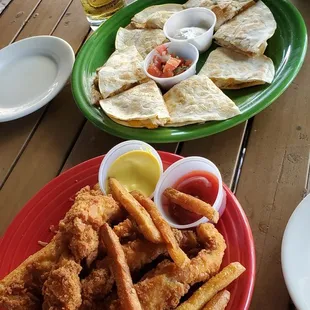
(200,184)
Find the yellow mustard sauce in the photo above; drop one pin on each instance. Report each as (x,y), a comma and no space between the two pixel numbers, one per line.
(136,170)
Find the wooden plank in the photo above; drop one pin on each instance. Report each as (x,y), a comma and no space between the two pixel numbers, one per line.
(13,139)
(43,157)
(14,18)
(44,18)
(93,142)
(223,149)
(273,180)
(15,135)
(73,27)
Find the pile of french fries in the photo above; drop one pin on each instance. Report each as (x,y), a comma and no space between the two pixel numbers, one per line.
(211,295)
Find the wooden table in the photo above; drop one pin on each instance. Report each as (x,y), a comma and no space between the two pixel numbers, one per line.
(265,160)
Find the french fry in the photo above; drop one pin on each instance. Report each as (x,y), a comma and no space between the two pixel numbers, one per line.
(192,204)
(127,294)
(208,290)
(176,253)
(142,218)
(218,302)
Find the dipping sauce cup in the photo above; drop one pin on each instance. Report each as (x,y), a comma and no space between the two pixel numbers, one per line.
(135,164)
(193,17)
(190,166)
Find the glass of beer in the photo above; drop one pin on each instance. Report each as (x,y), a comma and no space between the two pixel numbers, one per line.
(98,11)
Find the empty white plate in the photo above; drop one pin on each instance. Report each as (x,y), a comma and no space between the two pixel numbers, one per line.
(32,72)
(295,255)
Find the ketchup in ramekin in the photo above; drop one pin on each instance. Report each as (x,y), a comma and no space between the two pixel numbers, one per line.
(201,184)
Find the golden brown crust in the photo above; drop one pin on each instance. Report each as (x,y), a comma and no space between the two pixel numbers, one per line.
(143,219)
(176,253)
(192,204)
(126,292)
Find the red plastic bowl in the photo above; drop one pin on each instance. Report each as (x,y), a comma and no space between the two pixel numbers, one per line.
(52,202)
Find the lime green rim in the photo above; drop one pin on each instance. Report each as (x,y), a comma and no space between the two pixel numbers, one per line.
(169,135)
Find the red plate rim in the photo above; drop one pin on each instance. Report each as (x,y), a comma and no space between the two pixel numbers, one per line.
(169,158)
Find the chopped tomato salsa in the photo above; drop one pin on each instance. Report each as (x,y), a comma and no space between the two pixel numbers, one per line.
(166,65)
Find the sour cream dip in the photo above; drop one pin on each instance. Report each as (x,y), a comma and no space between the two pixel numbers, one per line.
(189,33)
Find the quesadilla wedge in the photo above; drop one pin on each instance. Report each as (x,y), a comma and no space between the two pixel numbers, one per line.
(197,100)
(140,106)
(232,70)
(155,16)
(223,9)
(145,40)
(249,31)
(122,70)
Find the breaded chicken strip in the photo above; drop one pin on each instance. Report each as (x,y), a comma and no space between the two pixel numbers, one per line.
(138,253)
(201,268)
(22,288)
(62,289)
(81,225)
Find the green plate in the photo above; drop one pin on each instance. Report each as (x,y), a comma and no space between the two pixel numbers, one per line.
(287,49)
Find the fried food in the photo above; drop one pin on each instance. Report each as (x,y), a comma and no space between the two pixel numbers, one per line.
(97,285)
(176,253)
(78,231)
(62,289)
(126,292)
(213,286)
(161,292)
(21,289)
(138,253)
(218,302)
(203,266)
(50,279)
(126,229)
(81,225)
(143,219)
(192,204)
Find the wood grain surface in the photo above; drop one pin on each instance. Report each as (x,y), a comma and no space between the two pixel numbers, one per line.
(273,180)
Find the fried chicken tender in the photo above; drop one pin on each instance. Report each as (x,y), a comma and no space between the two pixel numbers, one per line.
(81,225)
(169,290)
(62,289)
(21,289)
(205,264)
(201,268)
(126,229)
(138,253)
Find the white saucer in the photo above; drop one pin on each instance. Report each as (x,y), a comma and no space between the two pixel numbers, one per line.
(32,72)
(295,255)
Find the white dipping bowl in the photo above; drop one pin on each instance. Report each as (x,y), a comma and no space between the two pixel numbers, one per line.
(181,49)
(117,151)
(174,173)
(193,17)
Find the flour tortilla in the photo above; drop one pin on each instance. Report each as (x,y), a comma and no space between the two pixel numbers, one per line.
(122,70)
(232,70)
(155,16)
(145,40)
(197,100)
(249,31)
(223,9)
(140,106)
